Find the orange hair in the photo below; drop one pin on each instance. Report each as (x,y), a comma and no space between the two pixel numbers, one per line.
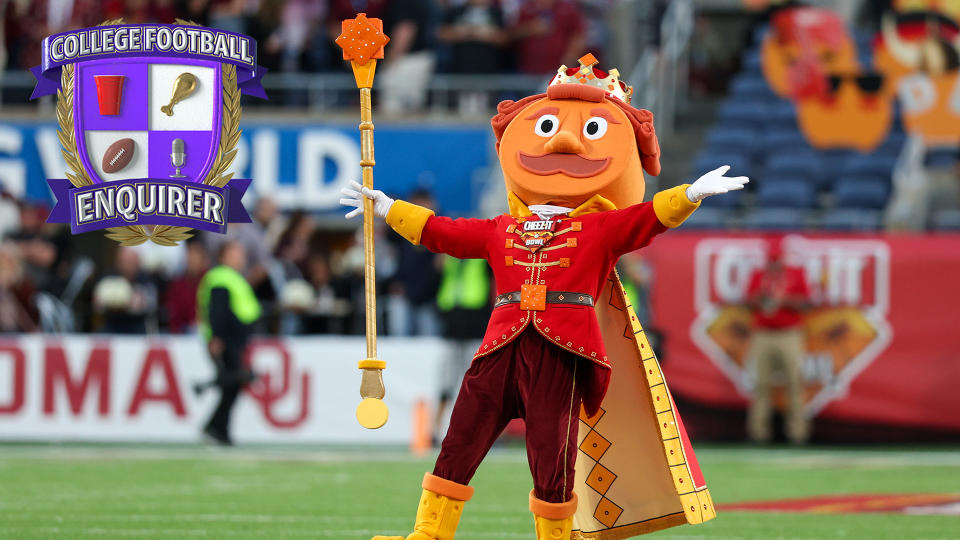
(640,119)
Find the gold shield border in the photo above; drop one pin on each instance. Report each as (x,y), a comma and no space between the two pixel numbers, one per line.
(164,235)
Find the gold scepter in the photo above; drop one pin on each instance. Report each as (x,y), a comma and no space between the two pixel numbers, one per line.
(362,41)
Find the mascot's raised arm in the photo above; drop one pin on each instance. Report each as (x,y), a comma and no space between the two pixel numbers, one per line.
(608,453)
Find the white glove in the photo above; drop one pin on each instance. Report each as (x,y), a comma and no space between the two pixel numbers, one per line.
(381,203)
(714,183)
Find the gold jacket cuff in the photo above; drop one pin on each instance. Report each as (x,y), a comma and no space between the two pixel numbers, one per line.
(672,206)
(408,220)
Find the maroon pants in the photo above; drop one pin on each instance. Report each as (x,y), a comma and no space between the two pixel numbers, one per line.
(531,379)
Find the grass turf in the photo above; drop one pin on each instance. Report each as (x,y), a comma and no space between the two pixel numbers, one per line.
(80,491)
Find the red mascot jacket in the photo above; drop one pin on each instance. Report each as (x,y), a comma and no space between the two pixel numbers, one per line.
(576,260)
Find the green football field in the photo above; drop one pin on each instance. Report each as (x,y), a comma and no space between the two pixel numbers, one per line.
(94,491)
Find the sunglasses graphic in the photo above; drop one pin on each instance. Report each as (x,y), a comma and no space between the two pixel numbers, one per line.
(869,83)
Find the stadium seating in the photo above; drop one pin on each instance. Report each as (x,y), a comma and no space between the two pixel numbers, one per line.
(938,158)
(861,193)
(733,199)
(944,220)
(707,161)
(796,163)
(785,192)
(708,217)
(752,61)
(743,114)
(788,219)
(750,86)
(877,164)
(756,132)
(852,219)
(735,140)
(782,114)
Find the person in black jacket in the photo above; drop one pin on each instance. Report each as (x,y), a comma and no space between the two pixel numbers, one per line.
(227,308)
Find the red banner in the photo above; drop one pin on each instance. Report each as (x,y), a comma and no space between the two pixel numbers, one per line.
(883,343)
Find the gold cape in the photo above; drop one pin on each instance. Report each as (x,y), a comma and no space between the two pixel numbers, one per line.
(636,472)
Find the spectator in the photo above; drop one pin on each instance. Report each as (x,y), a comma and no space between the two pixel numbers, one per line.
(9,212)
(197,11)
(141,11)
(295,23)
(226,312)
(229,15)
(31,21)
(410,59)
(330,310)
(476,32)
(18,311)
(412,302)
(778,296)
(549,33)
(127,299)
(39,253)
(253,236)
(181,296)
(294,245)
(464,300)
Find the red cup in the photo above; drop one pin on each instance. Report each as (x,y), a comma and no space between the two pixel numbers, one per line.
(109,93)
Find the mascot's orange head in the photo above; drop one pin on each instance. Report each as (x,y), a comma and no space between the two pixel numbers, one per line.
(579,139)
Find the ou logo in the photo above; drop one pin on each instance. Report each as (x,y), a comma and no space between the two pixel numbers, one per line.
(271,361)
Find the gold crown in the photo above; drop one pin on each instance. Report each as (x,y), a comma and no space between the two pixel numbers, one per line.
(587,74)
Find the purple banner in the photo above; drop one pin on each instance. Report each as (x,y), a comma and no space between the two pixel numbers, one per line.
(146,40)
(148,201)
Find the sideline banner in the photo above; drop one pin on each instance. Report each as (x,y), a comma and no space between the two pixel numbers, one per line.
(883,346)
(103,388)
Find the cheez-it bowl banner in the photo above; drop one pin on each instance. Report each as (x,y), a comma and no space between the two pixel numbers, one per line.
(149,120)
(848,278)
(881,341)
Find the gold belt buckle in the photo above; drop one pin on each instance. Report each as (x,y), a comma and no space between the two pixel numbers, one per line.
(533,297)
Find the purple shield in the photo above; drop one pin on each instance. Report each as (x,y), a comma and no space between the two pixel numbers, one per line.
(104,131)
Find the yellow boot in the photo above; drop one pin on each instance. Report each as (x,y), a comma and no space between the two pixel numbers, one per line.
(553,521)
(439,511)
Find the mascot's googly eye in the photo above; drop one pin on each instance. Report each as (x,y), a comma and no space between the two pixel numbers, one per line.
(595,127)
(547,125)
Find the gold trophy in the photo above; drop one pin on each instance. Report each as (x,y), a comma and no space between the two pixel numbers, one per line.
(183,87)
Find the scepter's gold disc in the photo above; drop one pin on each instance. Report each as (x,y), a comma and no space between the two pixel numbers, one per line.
(372,413)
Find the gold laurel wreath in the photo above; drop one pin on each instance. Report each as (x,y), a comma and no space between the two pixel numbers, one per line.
(164,235)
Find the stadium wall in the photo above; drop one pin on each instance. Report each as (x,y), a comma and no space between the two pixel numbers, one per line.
(301,166)
(135,389)
(882,340)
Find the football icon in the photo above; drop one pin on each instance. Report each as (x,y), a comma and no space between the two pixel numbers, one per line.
(118,155)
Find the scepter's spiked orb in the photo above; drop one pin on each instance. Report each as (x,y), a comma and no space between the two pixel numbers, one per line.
(362,39)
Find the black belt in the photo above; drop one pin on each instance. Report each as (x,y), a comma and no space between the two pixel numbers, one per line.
(553,297)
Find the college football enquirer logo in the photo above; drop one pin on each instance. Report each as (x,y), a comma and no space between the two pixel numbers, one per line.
(149,120)
(847,329)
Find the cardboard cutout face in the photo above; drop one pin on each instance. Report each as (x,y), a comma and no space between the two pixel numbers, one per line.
(919,56)
(804,45)
(849,115)
(564,151)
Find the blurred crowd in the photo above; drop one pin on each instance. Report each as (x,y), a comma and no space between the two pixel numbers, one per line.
(460,36)
(308,279)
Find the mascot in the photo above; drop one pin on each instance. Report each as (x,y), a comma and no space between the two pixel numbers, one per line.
(609,456)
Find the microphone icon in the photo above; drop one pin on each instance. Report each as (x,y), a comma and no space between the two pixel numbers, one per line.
(177,157)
